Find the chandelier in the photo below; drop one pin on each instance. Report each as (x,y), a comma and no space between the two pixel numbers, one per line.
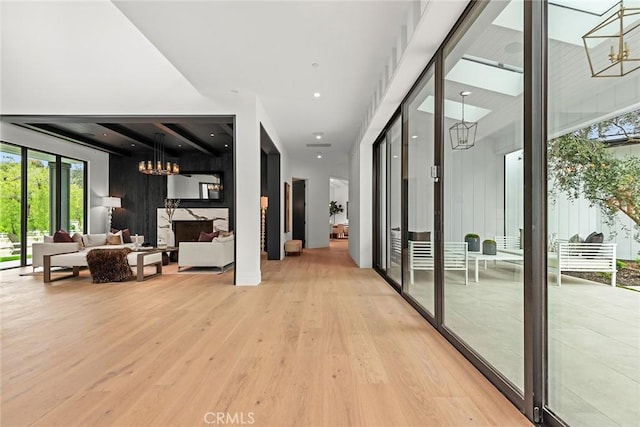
(609,44)
(158,166)
(463,134)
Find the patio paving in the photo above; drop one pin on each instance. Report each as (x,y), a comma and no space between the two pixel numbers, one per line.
(594,338)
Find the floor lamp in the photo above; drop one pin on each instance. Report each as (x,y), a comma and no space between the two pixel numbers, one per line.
(111,203)
(264,204)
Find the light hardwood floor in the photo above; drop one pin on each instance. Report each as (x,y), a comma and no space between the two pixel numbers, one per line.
(318,343)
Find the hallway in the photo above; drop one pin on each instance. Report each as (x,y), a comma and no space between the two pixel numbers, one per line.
(319,342)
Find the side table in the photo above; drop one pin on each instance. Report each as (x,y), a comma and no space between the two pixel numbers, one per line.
(169,254)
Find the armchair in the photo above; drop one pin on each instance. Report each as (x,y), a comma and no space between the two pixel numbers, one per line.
(217,253)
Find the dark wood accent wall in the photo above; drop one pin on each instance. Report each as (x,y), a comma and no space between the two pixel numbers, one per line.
(143,194)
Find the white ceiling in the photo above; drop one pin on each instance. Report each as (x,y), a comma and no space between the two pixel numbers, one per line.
(267,48)
(206,49)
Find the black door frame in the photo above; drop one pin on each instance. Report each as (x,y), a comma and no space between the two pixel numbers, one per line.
(299,210)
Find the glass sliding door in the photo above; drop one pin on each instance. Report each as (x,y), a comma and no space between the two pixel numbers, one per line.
(41,198)
(72,196)
(419,113)
(394,202)
(593,316)
(10,205)
(483,187)
(388,193)
(380,256)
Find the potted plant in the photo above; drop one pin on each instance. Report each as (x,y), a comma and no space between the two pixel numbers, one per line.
(489,247)
(473,242)
(334,208)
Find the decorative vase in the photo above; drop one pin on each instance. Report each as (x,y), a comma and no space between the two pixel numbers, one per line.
(489,247)
(171,237)
(473,244)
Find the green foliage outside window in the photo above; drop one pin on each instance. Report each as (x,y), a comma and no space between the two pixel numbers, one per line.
(38,206)
(582,164)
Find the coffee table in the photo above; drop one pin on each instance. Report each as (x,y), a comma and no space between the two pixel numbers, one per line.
(139,259)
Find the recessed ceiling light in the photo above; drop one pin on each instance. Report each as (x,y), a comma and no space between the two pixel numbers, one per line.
(179,145)
(318,136)
(414,136)
(226,145)
(395,156)
(133,145)
(316,94)
(212,134)
(319,155)
(104,134)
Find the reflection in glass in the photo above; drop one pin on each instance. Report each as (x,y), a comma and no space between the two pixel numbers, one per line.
(382,204)
(593,327)
(394,194)
(420,146)
(483,190)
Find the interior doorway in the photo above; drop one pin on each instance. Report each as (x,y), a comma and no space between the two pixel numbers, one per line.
(299,213)
(270,183)
(339,208)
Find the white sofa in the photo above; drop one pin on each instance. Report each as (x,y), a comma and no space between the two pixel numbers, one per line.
(39,250)
(78,259)
(217,253)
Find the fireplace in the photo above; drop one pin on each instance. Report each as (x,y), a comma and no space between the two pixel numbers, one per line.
(189,231)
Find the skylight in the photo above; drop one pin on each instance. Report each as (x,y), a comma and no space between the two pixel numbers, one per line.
(487,74)
(453,109)
(571,18)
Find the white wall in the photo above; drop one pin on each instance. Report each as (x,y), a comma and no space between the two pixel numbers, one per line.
(354,204)
(420,185)
(514,192)
(317,194)
(361,205)
(474,189)
(97,167)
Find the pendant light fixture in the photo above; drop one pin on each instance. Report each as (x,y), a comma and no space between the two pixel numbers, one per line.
(613,46)
(463,134)
(158,166)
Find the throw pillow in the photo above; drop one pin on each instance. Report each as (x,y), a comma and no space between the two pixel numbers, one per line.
(224,238)
(94,239)
(126,234)
(62,236)
(207,237)
(77,237)
(594,238)
(114,239)
(226,233)
(575,239)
